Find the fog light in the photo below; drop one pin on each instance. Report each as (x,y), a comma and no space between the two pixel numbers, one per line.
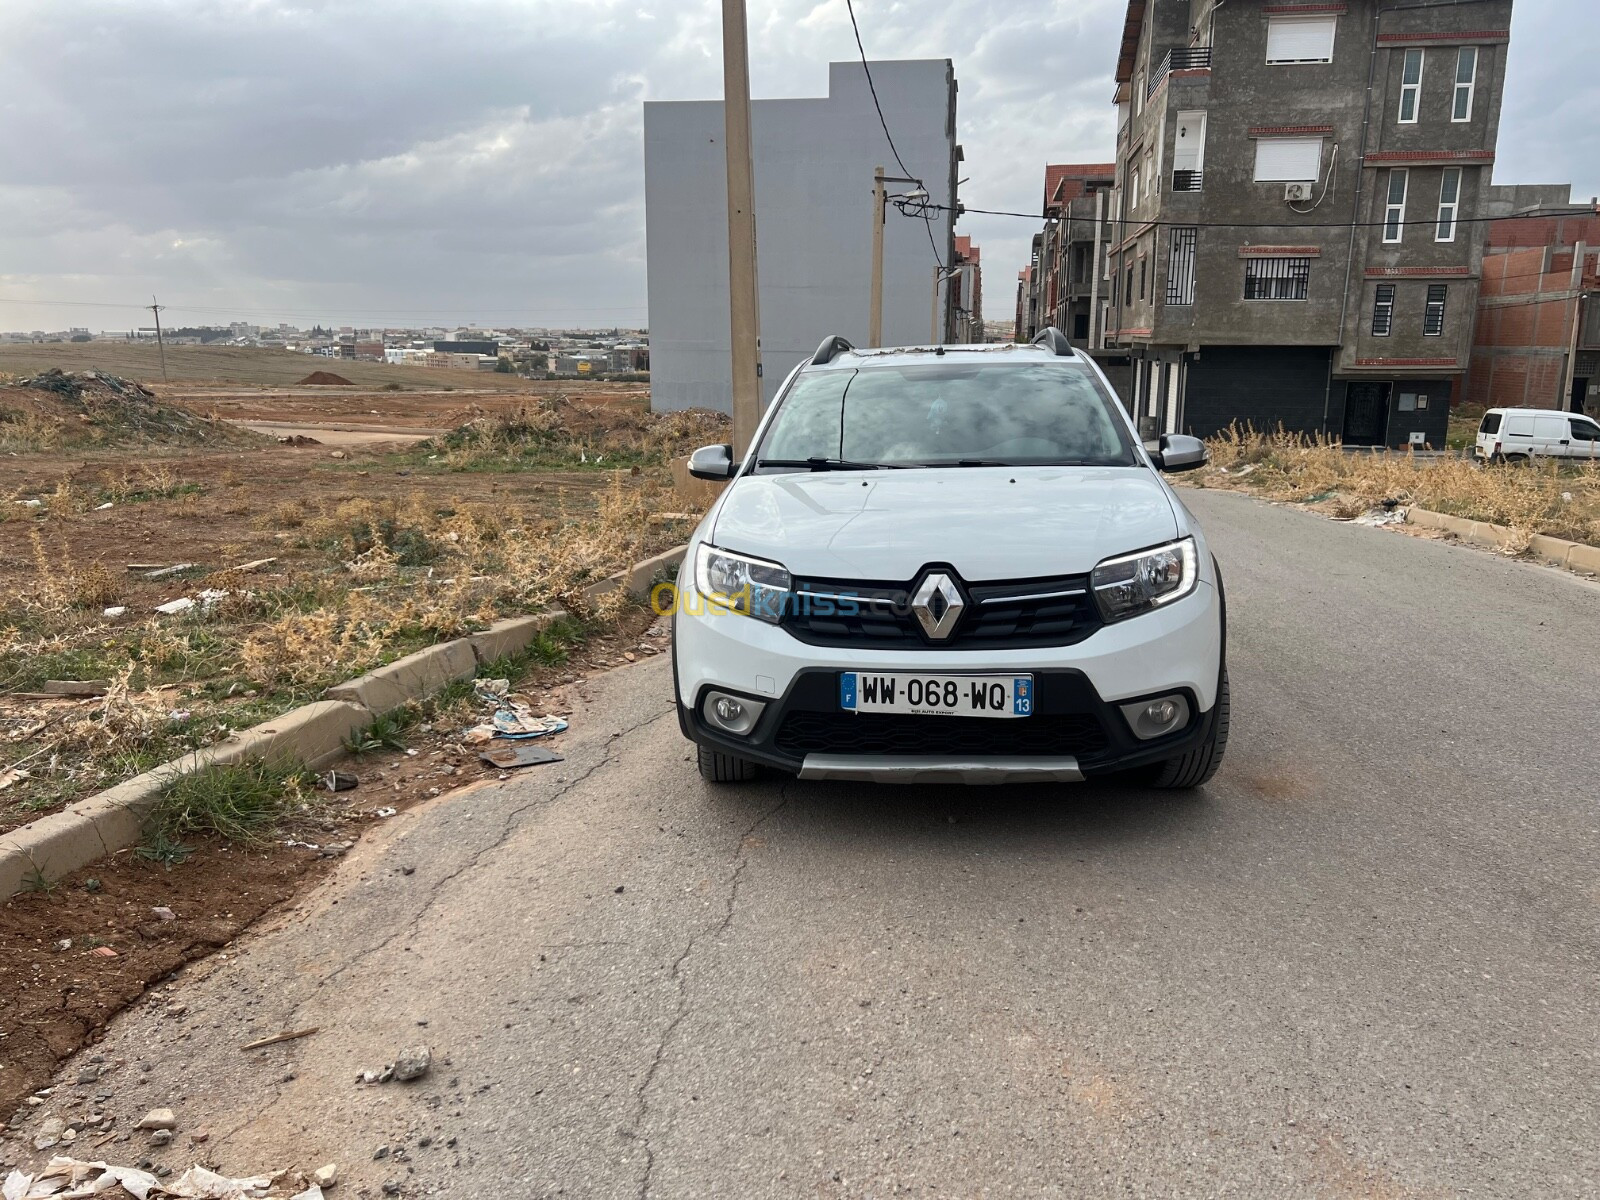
(1153,718)
(732,714)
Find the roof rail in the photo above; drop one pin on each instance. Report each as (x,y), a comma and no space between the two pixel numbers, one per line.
(831,348)
(1055,341)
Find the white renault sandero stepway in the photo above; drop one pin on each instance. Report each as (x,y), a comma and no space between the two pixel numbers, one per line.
(952,564)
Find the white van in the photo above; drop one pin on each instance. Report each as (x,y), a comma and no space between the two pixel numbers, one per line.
(1518,434)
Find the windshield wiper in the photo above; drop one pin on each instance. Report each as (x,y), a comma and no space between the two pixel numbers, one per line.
(823,464)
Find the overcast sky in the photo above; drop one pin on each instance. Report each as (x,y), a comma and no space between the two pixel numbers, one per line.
(407,162)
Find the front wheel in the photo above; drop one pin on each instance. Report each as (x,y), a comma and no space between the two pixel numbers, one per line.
(716,767)
(1196,767)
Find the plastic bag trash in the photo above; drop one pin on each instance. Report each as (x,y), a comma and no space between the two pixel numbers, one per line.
(173,607)
(116,610)
(338,781)
(1379,517)
(491,691)
(519,722)
(197,1183)
(103,507)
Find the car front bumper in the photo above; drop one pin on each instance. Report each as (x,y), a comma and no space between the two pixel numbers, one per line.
(1077,731)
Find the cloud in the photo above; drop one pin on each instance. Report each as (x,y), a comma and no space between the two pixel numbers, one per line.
(482,159)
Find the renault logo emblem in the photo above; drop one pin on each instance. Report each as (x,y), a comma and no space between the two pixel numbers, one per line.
(938,605)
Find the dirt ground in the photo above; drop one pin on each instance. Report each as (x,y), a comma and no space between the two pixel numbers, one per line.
(232,365)
(412,409)
(59,986)
(214,523)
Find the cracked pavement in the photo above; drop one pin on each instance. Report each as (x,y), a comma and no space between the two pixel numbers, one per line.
(1362,964)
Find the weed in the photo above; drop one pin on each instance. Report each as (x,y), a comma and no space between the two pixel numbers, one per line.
(158,847)
(385,733)
(236,801)
(36,883)
(96,587)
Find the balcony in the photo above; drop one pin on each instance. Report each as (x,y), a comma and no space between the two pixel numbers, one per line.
(1187,181)
(1179,58)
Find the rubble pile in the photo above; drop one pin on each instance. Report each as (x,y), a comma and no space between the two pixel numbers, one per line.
(115,409)
(326,379)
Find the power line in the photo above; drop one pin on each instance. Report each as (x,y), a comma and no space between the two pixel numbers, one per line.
(882,120)
(1152,224)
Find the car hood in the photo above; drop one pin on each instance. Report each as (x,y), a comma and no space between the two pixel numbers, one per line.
(989,523)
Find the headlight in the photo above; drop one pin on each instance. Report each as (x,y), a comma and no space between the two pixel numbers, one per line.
(1136,583)
(738,583)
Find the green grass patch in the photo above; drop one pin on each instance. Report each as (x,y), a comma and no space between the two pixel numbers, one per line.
(550,649)
(240,802)
(385,733)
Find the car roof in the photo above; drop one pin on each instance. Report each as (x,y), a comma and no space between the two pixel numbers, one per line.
(1542,412)
(982,354)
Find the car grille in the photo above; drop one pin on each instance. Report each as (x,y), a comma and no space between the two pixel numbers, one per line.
(1057,611)
(802,733)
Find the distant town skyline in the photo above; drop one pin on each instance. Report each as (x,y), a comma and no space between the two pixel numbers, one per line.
(481,164)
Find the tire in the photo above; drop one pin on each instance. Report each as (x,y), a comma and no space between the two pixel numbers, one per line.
(716,767)
(1196,768)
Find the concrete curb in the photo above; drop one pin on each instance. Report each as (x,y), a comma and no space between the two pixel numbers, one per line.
(1575,556)
(312,735)
(638,579)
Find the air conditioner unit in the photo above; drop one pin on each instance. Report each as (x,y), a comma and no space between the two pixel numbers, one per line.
(1297,191)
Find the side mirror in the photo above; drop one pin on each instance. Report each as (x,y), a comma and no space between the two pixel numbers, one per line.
(1180,452)
(713,462)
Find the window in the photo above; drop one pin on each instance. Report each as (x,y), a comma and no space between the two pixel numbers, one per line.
(1127,288)
(1277,278)
(1138,92)
(1585,430)
(1410,87)
(1288,160)
(1491,423)
(1449,201)
(1300,39)
(1133,188)
(1433,314)
(1466,83)
(1180,266)
(1383,311)
(917,416)
(1394,211)
(1143,274)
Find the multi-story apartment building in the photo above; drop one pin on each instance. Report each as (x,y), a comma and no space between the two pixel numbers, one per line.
(966,292)
(1066,273)
(1297,188)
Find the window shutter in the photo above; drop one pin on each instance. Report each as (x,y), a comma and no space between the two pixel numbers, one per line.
(1300,39)
(1288,160)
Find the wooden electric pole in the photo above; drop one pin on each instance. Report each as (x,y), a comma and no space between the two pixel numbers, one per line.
(160,345)
(744,309)
(880,214)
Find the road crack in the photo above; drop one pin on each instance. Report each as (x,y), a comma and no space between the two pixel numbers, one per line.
(675,973)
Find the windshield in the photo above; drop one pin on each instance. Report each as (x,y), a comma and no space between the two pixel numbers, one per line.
(959,415)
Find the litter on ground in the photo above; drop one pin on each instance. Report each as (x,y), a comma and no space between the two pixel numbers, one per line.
(506,755)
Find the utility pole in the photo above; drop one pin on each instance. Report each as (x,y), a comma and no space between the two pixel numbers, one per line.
(744,312)
(1564,401)
(880,214)
(160,345)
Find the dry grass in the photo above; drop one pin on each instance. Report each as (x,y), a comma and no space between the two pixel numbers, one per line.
(394,576)
(1547,497)
(565,431)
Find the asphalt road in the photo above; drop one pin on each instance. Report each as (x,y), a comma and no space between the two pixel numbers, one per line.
(1363,963)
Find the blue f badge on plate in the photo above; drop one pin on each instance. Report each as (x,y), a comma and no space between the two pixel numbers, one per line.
(847,689)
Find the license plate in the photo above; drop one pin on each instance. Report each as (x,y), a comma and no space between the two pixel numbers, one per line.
(936,695)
